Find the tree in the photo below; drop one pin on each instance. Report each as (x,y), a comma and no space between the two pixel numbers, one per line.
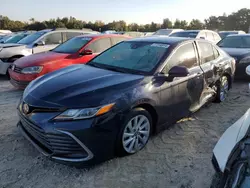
(196,24)
(32,20)
(166,24)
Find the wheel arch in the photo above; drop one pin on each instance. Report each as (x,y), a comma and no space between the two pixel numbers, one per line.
(152,111)
(13,57)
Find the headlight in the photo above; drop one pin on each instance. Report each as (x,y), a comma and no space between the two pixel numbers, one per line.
(245,60)
(32,70)
(248,70)
(27,51)
(76,114)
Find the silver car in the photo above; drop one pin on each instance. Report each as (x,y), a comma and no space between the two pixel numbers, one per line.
(40,41)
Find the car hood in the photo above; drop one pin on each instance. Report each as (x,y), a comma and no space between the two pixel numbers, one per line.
(236,51)
(9,45)
(78,86)
(39,59)
(229,140)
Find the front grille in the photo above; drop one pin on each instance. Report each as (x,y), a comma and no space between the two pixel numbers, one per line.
(17,69)
(56,144)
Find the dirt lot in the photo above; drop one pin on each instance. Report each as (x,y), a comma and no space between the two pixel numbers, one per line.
(178,157)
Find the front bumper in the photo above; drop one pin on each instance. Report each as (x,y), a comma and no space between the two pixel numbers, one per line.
(240,72)
(74,142)
(19,84)
(20,80)
(4,67)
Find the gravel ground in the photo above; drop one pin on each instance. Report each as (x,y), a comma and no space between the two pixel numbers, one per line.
(179,157)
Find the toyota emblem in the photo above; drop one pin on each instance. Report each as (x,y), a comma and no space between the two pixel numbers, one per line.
(26,108)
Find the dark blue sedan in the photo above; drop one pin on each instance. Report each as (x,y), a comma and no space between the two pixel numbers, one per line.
(110,106)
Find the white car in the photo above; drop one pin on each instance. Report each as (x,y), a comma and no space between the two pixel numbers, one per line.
(209,35)
(166,32)
(231,156)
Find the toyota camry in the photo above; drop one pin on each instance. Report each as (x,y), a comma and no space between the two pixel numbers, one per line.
(110,106)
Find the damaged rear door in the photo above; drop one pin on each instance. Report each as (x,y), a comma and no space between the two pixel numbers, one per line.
(208,63)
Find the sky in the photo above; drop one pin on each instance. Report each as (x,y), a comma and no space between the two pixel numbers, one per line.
(132,11)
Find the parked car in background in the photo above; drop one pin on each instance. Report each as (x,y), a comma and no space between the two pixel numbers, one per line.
(231,156)
(223,34)
(77,50)
(148,34)
(109,32)
(5,32)
(111,106)
(202,34)
(166,32)
(40,41)
(14,38)
(238,46)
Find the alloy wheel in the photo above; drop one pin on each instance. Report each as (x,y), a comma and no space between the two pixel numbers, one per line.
(224,88)
(136,134)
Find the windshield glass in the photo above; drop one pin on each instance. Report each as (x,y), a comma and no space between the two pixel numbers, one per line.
(224,34)
(15,38)
(235,42)
(191,34)
(163,32)
(3,40)
(139,57)
(73,45)
(31,38)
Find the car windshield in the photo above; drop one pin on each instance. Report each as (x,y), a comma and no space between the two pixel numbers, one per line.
(224,34)
(191,34)
(31,38)
(132,56)
(3,40)
(73,45)
(235,42)
(15,39)
(163,32)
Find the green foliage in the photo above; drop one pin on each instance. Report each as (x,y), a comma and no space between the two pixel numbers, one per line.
(239,20)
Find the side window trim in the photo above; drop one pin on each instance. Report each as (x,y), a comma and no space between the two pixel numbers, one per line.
(50,33)
(173,52)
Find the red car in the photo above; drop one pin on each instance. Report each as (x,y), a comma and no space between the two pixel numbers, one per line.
(77,50)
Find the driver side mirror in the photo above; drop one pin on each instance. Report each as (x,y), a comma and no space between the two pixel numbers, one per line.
(86,52)
(178,71)
(202,38)
(40,43)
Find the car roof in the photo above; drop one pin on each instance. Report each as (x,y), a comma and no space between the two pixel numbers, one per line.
(239,35)
(162,39)
(102,35)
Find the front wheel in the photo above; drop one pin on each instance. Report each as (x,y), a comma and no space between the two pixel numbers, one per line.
(222,89)
(135,132)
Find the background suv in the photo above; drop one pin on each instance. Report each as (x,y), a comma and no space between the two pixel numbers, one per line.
(202,34)
(40,41)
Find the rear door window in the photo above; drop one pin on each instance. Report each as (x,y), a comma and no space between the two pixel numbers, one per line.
(116,40)
(99,45)
(184,56)
(70,35)
(206,52)
(210,36)
(53,38)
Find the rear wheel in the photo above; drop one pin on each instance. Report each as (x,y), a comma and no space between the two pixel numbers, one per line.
(135,132)
(222,89)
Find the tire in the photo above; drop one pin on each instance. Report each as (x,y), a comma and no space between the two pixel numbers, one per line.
(133,136)
(216,181)
(222,89)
